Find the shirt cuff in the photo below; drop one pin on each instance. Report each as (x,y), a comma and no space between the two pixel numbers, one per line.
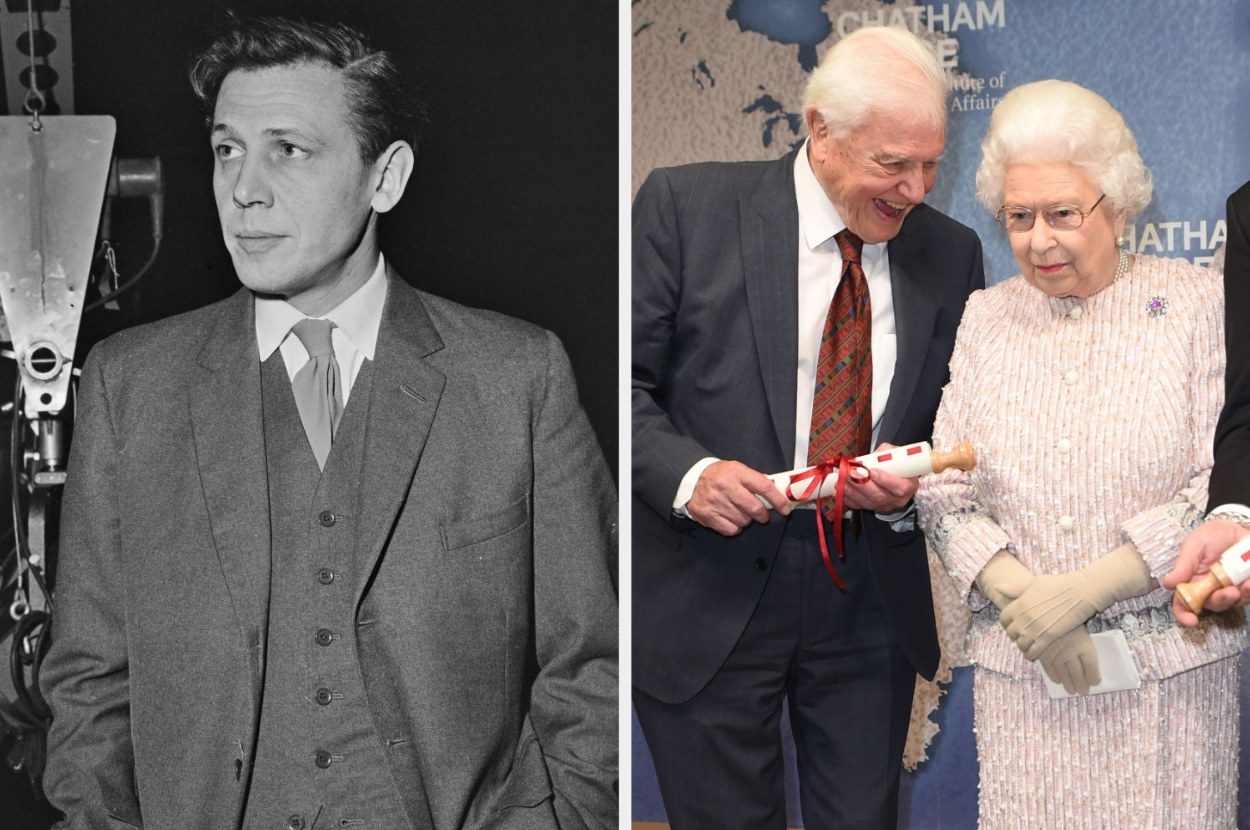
(901,521)
(686,489)
(1238,513)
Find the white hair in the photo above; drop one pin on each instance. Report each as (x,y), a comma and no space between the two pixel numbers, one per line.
(1059,121)
(877,69)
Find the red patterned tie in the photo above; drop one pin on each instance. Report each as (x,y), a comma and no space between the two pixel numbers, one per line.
(842,408)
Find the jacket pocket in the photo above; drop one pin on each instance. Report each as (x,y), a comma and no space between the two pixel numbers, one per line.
(528,784)
(482,528)
(127,815)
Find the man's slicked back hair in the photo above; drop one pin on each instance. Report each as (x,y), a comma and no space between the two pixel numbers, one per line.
(380,110)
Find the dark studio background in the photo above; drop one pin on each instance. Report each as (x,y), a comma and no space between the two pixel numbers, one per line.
(512,205)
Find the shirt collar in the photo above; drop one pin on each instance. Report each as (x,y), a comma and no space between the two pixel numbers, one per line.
(359,316)
(818,218)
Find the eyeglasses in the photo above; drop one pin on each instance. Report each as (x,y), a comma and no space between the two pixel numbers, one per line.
(1059,217)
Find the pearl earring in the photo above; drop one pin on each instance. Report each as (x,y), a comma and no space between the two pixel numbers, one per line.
(1119,242)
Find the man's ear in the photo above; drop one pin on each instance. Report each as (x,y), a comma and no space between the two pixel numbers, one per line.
(391,172)
(818,130)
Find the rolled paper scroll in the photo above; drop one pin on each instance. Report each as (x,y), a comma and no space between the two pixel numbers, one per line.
(907,461)
(1233,568)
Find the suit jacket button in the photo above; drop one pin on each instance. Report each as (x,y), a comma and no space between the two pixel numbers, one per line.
(324,637)
(323,697)
(322,759)
(325,576)
(295,822)
(327,518)
(761,565)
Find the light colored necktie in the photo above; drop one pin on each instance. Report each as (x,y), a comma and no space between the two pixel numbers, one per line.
(318,387)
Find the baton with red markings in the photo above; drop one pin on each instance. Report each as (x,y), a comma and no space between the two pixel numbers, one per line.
(1233,568)
(907,461)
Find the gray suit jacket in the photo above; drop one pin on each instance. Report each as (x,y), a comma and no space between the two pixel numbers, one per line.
(486,622)
(715,351)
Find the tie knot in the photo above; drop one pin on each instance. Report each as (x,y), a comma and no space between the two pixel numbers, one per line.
(315,335)
(849,244)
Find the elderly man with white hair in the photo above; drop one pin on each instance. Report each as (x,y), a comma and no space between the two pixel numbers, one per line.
(1090,385)
(787,313)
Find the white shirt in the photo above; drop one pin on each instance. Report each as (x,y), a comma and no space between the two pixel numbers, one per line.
(820,266)
(354,337)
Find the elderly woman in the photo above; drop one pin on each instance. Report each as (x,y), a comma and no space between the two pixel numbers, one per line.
(1090,385)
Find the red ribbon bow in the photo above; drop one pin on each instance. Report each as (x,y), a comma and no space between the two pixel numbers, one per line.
(842,465)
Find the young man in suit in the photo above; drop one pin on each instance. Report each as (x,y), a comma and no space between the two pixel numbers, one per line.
(335,551)
(736,323)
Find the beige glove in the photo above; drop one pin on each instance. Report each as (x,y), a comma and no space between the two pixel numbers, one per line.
(1054,604)
(1072,661)
(1003,579)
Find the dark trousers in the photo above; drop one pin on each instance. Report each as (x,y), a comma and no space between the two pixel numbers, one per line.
(828,652)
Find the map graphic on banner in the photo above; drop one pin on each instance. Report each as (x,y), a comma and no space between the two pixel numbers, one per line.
(724,80)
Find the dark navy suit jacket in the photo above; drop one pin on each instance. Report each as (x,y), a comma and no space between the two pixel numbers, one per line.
(1230,478)
(715,318)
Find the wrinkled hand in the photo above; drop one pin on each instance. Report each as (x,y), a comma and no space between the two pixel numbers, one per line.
(1051,606)
(727,496)
(879,491)
(1199,550)
(1072,661)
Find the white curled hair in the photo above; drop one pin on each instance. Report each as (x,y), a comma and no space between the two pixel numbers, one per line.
(1059,121)
(867,72)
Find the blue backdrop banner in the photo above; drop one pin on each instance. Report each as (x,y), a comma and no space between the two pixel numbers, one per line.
(724,81)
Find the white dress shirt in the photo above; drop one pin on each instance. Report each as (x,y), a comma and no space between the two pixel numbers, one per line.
(820,267)
(820,264)
(354,337)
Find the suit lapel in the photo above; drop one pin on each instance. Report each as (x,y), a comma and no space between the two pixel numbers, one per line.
(915,314)
(770,263)
(404,399)
(227,422)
